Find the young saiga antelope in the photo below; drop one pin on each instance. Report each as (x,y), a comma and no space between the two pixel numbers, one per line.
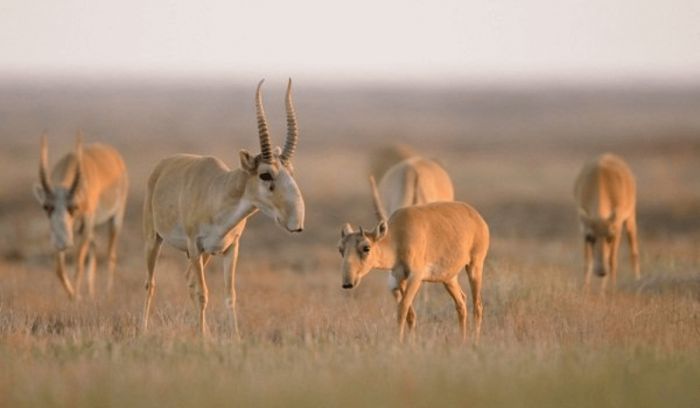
(200,206)
(424,243)
(414,181)
(86,188)
(605,193)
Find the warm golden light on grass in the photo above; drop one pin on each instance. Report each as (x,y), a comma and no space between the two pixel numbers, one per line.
(305,341)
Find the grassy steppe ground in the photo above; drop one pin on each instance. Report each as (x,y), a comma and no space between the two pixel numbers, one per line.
(513,154)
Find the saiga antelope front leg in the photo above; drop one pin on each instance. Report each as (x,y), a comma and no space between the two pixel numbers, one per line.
(412,287)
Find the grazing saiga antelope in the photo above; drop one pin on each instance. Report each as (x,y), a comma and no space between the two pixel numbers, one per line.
(200,206)
(424,243)
(86,188)
(605,193)
(413,181)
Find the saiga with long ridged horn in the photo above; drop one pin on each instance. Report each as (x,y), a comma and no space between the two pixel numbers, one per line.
(200,206)
(86,188)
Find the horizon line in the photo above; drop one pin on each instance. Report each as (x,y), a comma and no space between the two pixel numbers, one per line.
(344,80)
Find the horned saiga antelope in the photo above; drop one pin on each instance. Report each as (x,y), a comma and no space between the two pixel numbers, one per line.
(605,193)
(413,181)
(423,243)
(86,188)
(200,206)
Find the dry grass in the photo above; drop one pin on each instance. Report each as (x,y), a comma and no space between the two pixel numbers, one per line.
(306,342)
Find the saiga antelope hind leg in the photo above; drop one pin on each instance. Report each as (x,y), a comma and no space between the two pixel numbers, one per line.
(587,266)
(152,252)
(459,297)
(115,226)
(614,252)
(631,228)
(91,265)
(474,272)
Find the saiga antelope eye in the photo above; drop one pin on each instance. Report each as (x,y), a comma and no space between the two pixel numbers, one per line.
(71,209)
(365,249)
(266,176)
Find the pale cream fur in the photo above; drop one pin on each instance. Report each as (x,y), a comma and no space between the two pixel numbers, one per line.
(414,181)
(200,206)
(605,193)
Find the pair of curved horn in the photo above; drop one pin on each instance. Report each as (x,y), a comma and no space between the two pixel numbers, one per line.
(292,130)
(290,143)
(44,164)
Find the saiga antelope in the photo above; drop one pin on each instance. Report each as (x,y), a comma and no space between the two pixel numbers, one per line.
(198,205)
(413,181)
(424,243)
(605,193)
(86,188)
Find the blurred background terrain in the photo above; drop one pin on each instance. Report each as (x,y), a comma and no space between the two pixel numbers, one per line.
(513,153)
(511,97)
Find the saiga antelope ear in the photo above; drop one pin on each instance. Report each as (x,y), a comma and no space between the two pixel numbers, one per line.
(380,231)
(346,230)
(247,161)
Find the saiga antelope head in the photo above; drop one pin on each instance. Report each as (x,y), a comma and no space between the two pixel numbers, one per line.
(359,249)
(271,186)
(359,252)
(61,201)
(600,234)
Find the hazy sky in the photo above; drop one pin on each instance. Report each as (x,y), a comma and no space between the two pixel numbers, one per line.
(362,39)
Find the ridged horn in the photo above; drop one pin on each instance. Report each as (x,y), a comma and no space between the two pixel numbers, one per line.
(44,164)
(376,200)
(265,146)
(78,165)
(292,131)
